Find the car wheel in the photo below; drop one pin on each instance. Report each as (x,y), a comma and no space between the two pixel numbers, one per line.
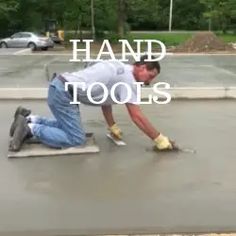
(32,46)
(45,49)
(3,45)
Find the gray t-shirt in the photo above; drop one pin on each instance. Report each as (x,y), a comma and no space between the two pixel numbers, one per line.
(108,73)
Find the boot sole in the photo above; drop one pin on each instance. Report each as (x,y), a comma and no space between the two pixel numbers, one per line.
(18,112)
(18,136)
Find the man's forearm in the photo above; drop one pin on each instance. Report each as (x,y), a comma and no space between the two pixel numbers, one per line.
(107,112)
(143,123)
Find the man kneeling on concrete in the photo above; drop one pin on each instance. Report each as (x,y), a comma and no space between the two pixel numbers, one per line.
(66,129)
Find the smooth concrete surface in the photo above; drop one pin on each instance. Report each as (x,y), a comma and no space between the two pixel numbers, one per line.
(129,189)
(34,70)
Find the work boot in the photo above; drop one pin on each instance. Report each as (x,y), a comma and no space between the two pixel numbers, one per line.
(22,132)
(23,111)
(19,111)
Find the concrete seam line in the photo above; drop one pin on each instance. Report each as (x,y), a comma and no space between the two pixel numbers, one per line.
(46,68)
(180,92)
(226,93)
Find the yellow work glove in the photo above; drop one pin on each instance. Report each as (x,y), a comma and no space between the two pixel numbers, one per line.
(163,143)
(115,131)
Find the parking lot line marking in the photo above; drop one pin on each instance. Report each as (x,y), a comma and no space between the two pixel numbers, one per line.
(22,51)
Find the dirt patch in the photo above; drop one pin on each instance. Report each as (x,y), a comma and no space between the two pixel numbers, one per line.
(204,42)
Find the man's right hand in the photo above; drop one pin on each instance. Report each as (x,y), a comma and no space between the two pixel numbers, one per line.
(163,143)
(116,131)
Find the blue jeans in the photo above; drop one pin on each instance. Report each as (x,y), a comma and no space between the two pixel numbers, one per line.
(66,129)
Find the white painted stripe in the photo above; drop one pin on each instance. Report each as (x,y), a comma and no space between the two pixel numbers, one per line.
(20,52)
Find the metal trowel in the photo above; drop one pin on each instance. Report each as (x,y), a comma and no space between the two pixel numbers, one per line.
(118,142)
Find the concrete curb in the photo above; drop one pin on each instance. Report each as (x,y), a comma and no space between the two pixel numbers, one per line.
(176,93)
(23,93)
(196,92)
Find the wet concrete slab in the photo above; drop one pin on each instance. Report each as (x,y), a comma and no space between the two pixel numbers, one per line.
(127,189)
(34,70)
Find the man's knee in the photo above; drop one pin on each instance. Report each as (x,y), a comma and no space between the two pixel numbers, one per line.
(79,140)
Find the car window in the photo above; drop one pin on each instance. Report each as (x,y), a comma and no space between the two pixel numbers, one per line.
(17,35)
(25,35)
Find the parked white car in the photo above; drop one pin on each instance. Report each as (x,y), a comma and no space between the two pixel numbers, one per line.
(27,40)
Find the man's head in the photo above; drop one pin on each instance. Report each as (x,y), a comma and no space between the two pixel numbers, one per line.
(146,71)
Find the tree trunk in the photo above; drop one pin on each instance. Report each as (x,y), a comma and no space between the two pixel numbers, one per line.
(121,18)
(92,19)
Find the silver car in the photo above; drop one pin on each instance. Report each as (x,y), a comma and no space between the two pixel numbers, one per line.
(27,40)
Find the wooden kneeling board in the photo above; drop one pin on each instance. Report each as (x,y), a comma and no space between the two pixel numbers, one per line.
(33,148)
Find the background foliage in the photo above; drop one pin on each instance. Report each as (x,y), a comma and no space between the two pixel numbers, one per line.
(116,17)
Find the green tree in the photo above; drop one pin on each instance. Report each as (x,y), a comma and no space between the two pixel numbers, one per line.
(144,14)
(220,12)
(105,14)
(154,14)
(7,7)
(77,15)
(188,16)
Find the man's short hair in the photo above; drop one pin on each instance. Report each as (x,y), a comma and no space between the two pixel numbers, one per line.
(149,64)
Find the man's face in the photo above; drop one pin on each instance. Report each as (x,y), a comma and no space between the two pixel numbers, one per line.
(142,74)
